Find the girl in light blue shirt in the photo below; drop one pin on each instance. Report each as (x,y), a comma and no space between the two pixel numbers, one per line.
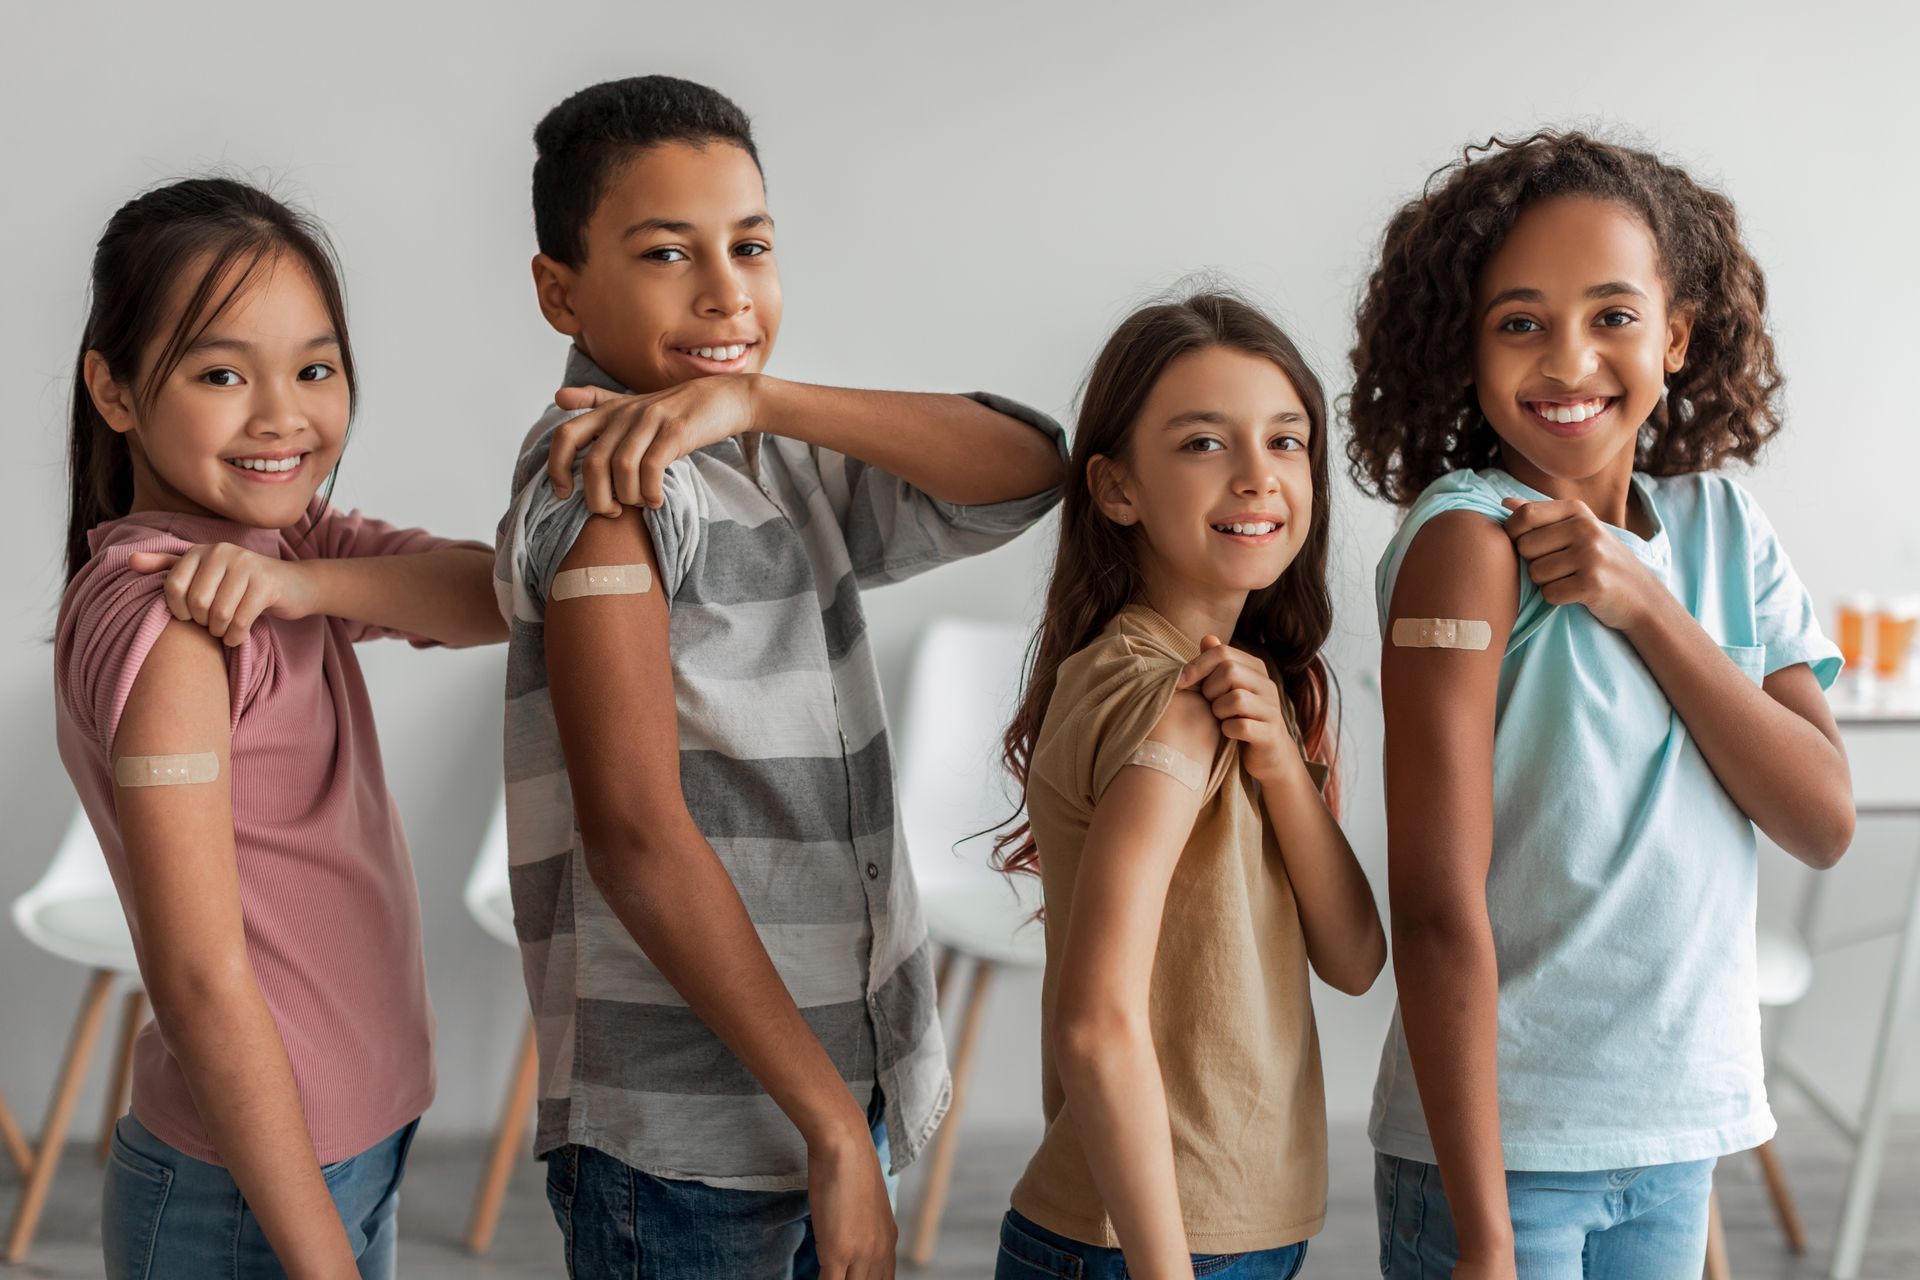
(1562,341)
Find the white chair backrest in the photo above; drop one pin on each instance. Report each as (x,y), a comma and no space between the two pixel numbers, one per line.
(961,689)
(488,899)
(73,910)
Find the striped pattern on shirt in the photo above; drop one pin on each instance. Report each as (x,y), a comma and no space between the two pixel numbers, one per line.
(763,545)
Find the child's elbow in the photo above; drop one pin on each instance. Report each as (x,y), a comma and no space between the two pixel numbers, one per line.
(1088,1043)
(1828,836)
(1355,973)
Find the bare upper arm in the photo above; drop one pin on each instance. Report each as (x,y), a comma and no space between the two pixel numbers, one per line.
(1140,825)
(610,675)
(1439,705)
(179,844)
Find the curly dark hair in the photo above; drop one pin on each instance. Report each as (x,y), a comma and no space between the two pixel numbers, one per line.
(1413,413)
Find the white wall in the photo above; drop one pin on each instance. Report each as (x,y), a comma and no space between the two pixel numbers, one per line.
(967,198)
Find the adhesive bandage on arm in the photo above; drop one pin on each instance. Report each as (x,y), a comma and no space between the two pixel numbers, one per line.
(1441,633)
(1185,770)
(602,580)
(166,771)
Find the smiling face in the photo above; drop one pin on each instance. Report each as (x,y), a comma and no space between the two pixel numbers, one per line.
(1217,475)
(679,279)
(253,418)
(1575,339)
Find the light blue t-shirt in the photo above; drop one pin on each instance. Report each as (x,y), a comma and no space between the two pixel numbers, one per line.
(1622,883)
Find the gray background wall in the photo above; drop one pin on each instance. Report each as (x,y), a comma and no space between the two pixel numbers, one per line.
(967,197)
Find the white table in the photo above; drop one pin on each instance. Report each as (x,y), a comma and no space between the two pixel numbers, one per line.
(1857,714)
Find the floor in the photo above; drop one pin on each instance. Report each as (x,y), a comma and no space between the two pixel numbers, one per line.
(441,1177)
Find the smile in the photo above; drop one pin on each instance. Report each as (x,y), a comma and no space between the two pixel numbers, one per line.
(715,355)
(1570,414)
(269,470)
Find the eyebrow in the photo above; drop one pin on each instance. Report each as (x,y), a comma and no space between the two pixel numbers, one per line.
(237,344)
(1611,289)
(1207,417)
(673,227)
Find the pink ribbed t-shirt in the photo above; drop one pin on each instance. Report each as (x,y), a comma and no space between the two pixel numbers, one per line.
(331,912)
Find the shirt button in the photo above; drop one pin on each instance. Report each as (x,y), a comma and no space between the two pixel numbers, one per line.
(873,871)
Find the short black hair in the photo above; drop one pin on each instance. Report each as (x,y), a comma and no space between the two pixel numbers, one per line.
(580,143)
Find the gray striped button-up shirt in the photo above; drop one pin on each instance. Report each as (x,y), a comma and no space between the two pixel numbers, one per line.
(763,545)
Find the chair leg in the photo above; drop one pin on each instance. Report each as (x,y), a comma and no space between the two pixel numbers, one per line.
(933,1198)
(506,1145)
(1717,1268)
(120,1089)
(11,1138)
(1783,1206)
(73,1072)
(942,979)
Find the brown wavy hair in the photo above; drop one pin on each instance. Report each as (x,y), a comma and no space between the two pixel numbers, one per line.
(1413,415)
(1096,570)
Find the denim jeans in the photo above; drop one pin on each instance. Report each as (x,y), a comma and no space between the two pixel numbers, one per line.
(166,1216)
(1029,1251)
(1608,1224)
(617,1221)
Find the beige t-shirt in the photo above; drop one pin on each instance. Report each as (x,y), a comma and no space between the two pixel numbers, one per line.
(1231,1017)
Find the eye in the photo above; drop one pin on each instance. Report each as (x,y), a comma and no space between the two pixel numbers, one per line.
(1289,444)
(220,378)
(1203,444)
(666,253)
(752,249)
(1519,324)
(316,372)
(1617,319)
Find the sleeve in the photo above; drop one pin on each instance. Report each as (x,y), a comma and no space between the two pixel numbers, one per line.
(1457,491)
(893,530)
(540,529)
(1129,691)
(109,624)
(1784,620)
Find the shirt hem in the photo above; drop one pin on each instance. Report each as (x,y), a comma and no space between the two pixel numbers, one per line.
(197,1147)
(1583,1157)
(1099,1231)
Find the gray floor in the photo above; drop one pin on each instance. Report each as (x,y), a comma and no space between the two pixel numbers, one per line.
(441,1177)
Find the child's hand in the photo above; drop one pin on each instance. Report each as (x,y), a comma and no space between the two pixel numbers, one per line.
(1576,559)
(1246,701)
(853,1228)
(636,437)
(226,588)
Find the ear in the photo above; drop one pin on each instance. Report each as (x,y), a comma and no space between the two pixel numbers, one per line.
(112,398)
(1679,333)
(553,283)
(1107,481)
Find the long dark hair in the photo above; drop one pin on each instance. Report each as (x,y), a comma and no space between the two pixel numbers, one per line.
(1414,414)
(225,231)
(1096,571)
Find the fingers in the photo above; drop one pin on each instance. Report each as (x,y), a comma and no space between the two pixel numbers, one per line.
(226,601)
(150,561)
(637,465)
(596,477)
(180,581)
(586,397)
(1553,567)
(251,606)
(1528,516)
(1211,659)
(569,438)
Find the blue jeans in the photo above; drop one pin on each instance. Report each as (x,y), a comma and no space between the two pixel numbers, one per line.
(1029,1251)
(1609,1224)
(166,1216)
(617,1221)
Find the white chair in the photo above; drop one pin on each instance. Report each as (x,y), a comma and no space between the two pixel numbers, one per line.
(961,691)
(490,902)
(74,913)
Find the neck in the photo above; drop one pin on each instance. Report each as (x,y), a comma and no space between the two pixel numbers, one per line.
(1607,492)
(151,493)
(1195,610)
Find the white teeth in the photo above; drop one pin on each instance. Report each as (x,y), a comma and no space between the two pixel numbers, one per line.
(267,464)
(1256,529)
(1565,413)
(731,352)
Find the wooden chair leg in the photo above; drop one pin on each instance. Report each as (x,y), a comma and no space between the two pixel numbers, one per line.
(1717,1268)
(946,1144)
(506,1145)
(120,1088)
(12,1139)
(73,1073)
(1783,1207)
(942,979)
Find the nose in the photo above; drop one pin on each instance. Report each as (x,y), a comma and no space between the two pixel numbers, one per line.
(275,409)
(1256,475)
(1570,358)
(723,294)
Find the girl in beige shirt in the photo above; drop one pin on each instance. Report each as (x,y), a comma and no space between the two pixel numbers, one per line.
(1192,870)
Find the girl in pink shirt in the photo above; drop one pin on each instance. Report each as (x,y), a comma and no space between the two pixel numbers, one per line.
(215,723)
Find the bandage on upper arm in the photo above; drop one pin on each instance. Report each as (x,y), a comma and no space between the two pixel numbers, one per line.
(1182,768)
(602,580)
(166,771)
(1441,633)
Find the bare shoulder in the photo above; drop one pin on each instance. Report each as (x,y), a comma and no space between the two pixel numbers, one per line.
(1461,565)
(1189,726)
